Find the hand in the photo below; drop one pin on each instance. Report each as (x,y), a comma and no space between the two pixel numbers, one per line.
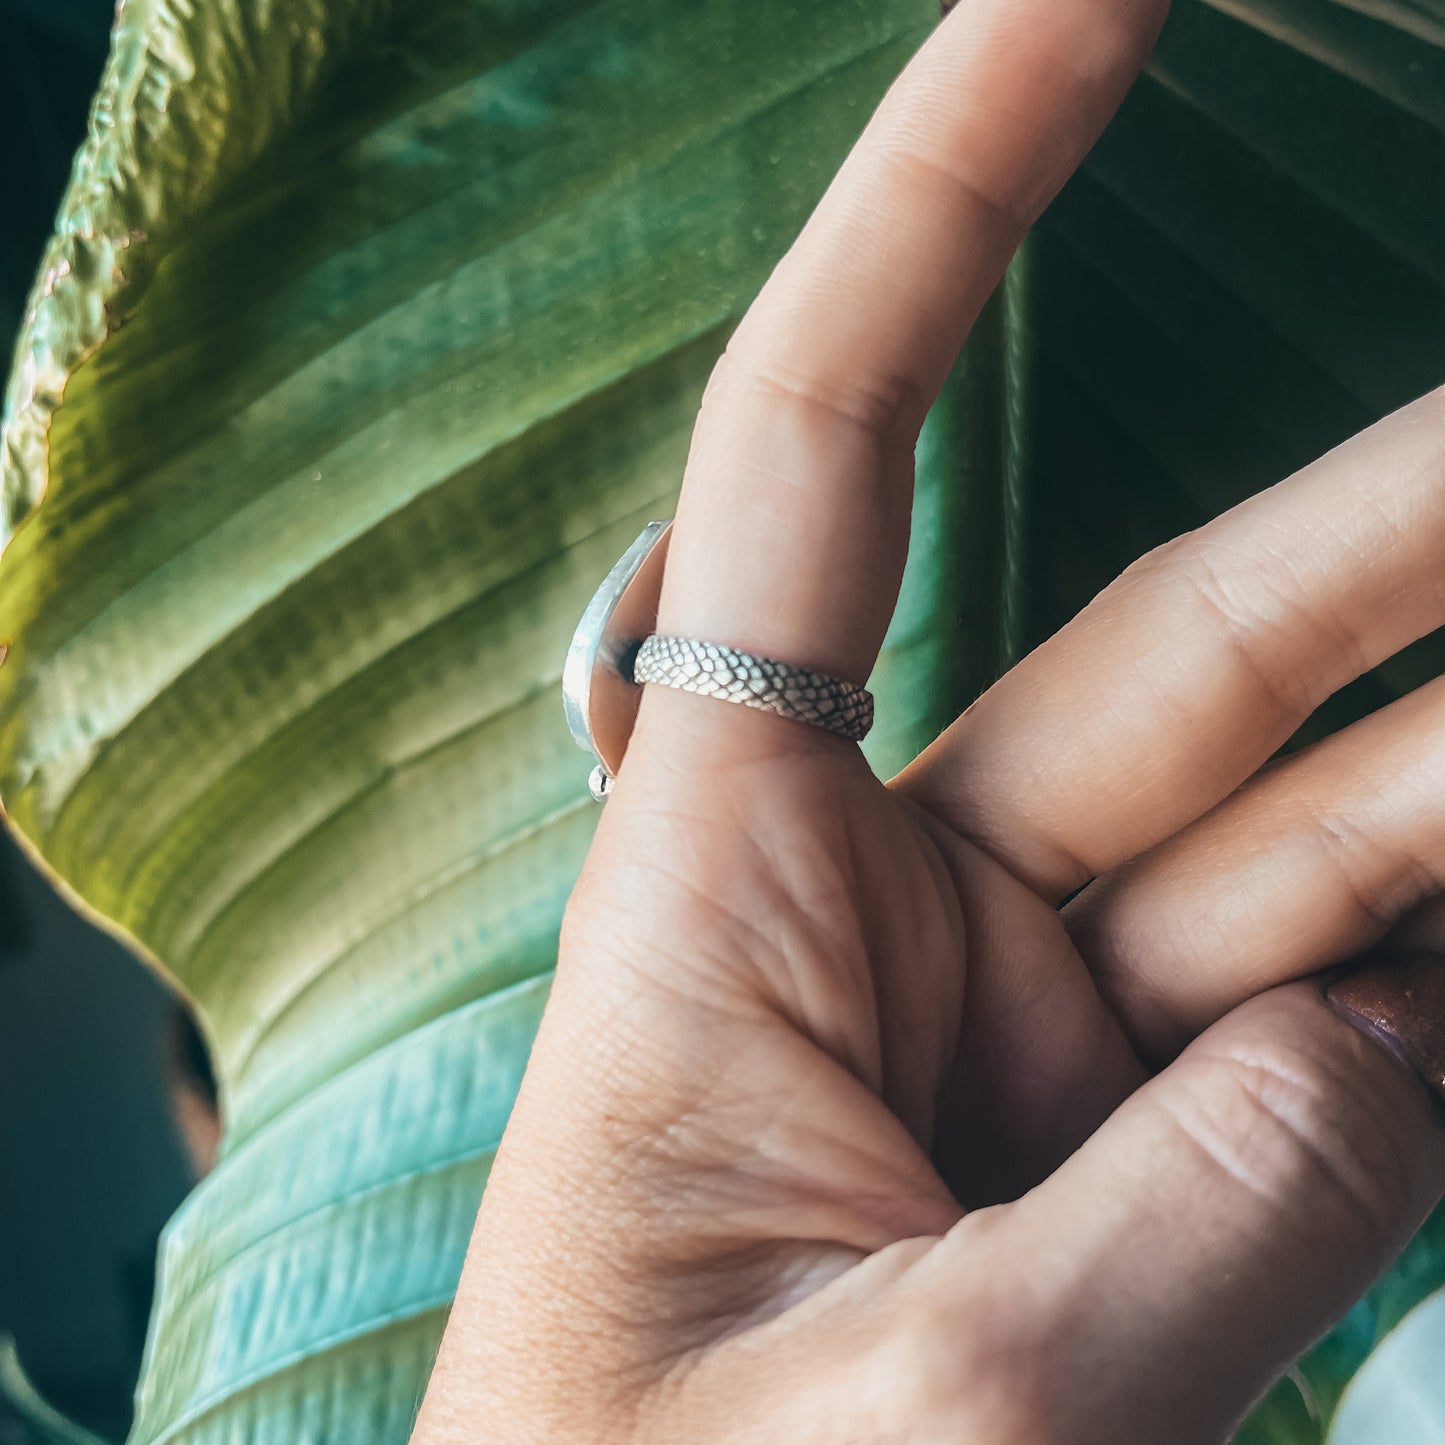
(838,1128)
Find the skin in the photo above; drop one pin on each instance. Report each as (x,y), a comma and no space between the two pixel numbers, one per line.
(838,1128)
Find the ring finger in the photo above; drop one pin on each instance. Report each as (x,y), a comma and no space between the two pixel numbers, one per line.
(1309,864)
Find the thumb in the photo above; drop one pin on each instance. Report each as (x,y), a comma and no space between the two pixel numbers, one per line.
(1228,1212)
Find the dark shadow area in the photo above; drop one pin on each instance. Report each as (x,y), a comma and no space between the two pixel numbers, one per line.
(90,1155)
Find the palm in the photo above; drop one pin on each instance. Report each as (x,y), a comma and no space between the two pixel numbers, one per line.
(873,991)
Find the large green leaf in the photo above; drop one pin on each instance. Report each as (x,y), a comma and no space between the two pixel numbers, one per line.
(419,301)
(418,310)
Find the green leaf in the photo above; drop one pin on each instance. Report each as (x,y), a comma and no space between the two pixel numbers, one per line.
(417,313)
(1288,1415)
(418,304)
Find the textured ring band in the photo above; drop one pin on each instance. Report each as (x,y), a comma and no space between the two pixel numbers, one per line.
(713,670)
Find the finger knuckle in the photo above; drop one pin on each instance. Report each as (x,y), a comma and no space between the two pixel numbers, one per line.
(1379,878)
(1291,1127)
(1256,610)
(883,406)
(913,155)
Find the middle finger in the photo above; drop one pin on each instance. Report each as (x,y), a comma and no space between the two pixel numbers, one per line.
(1179,680)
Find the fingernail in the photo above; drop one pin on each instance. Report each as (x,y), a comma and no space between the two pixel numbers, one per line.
(1400,999)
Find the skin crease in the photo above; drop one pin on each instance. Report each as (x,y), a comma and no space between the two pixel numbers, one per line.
(837,1128)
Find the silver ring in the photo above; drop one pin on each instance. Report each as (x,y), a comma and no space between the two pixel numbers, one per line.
(714,670)
(615,649)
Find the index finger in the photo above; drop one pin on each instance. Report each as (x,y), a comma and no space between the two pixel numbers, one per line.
(793,525)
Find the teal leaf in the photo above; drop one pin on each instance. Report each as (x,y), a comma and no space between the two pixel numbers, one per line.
(1399,1394)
